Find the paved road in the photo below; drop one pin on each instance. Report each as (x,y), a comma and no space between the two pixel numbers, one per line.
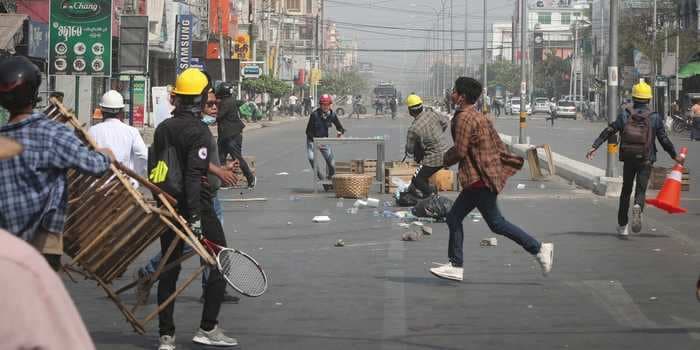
(376,293)
(572,138)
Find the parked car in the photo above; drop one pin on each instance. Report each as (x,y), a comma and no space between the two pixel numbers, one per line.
(515,106)
(566,109)
(541,105)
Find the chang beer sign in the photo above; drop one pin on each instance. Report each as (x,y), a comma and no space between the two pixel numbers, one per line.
(80,37)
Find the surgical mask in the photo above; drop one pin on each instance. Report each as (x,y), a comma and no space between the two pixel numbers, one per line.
(209,120)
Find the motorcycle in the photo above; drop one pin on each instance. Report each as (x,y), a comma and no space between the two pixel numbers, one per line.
(681,124)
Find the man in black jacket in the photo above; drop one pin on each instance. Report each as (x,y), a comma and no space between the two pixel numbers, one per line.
(230,128)
(190,138)
(638,167)
(319,123)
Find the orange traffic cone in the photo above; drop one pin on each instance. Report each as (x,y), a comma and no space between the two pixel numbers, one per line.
(669,198)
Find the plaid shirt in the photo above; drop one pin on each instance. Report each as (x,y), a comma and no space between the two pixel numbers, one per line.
(426,132)
(33,189)
(481,154)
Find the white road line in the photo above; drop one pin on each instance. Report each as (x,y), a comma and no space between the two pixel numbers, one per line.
(613,297)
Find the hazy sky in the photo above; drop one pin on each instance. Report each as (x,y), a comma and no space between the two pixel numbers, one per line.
(407,68)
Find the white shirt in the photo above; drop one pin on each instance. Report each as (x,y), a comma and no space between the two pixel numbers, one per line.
(125,142)
(292,100)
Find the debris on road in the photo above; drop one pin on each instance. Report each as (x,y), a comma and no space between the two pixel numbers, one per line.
(372,202)
(653,298)
(656,249)
(359,204)
(427,230)
(520,186)
(321,219)
(284,173)
(351,211)
(339,243)
(410,236)
(489,242)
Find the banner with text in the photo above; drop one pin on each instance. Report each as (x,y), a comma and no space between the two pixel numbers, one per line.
(80,37)
(183,43)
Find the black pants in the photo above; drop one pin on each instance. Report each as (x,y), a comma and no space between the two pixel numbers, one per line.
(215,286)
(421,179)
(639,170)
(233,145)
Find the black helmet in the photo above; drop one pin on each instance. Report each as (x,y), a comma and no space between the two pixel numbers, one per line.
(19,82)
(225,89)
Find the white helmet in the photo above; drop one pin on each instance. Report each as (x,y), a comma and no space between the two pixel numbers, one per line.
(112,101)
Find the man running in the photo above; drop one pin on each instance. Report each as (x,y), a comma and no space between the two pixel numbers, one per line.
(484,167)
(319,123)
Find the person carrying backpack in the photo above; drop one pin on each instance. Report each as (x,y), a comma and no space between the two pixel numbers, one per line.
(638,126)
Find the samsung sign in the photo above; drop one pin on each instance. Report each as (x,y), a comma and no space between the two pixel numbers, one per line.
(183,42)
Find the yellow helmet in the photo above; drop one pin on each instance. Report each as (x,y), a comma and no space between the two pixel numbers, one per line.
(642,91)
(413,101)
(191,82)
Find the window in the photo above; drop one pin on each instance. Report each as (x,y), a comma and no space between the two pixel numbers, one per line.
(294,5)
(565,18)
(577,15)
(309,6)
(544,18)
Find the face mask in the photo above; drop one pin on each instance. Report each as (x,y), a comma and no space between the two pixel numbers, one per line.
(209,120)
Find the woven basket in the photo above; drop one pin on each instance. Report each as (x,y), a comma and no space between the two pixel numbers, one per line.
(352,185)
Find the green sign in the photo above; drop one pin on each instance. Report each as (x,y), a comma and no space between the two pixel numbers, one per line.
(80,37)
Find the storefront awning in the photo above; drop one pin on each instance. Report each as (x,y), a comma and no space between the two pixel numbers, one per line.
(689,70)
(11,31)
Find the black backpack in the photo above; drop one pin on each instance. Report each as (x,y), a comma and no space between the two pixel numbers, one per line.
(170,181)
(637,136)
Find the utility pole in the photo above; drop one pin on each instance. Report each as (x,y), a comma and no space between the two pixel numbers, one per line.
(653,42)
(576,65)
(220,25)
(610,170)
(452,74)
(466,36)
(483,56)
(251,31)
(522,135)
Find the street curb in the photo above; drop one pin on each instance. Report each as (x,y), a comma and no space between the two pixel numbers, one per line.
(579,173)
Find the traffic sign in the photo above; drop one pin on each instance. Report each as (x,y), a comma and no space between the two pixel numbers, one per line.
(251,72)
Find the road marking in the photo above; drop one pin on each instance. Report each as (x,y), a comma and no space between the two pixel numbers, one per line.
(613,297)
(686,323)
(394,324)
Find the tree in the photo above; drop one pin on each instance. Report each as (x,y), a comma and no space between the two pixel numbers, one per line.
(266,84)
(552,75)
(343,83)
(503,72)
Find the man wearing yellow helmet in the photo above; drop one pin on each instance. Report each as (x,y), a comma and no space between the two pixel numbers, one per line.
(179,165)
(638,126)
(424,143)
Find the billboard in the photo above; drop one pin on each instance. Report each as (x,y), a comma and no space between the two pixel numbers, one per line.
(38,40)
(80,37)
(241,47)
(183,43)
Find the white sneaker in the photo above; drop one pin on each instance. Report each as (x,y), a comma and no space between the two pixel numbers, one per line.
(546,257)
(167,342)
(447,271)
(215,337)
(623,231)
(636,218)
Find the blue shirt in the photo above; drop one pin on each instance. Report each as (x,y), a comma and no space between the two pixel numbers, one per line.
(33,189)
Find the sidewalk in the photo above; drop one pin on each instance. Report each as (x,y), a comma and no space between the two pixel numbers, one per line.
(147,132)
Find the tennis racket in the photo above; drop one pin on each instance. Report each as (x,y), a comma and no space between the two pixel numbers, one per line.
(239,269)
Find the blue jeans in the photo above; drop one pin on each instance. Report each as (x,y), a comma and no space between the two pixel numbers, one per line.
(152,264)
(327,154)
(486,202)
